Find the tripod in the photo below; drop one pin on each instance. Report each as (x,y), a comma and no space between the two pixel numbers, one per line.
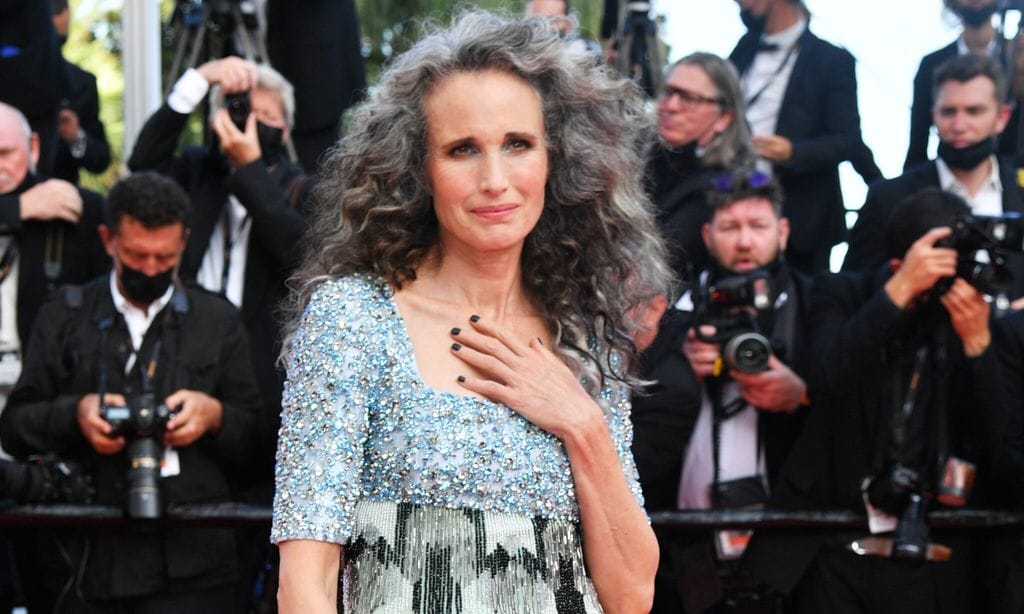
(640,54)
(218,26)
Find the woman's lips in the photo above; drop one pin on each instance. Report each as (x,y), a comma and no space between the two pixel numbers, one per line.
(494,212)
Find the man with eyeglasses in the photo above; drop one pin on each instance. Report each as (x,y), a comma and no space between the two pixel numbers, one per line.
(700,133)
(748,416)
(801,95)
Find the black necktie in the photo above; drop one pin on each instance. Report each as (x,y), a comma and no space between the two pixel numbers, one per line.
(763,46)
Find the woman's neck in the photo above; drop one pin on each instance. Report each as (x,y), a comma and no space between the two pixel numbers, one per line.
(489,284)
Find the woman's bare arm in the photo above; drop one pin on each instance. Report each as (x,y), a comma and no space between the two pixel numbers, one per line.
(309,577)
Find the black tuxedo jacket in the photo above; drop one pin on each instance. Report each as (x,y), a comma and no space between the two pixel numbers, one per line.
(84,100)
(867,239)
(819,116)
(75,254)
(274,199)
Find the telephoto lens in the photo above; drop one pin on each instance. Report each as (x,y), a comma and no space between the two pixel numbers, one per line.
(144,455)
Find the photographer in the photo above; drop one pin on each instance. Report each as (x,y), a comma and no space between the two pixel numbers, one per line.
(749,413)
(249,213)
(969,114)
(133,333)
(904,364)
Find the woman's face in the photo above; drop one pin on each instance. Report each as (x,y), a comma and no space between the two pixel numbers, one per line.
(689,108)
(487,160)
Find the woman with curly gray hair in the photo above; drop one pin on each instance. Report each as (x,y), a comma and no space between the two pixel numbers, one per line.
(455,431)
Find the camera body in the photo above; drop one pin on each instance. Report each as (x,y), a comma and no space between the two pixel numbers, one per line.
(239,106)
(998,235)
(142,422)
(731,305)
(890,491)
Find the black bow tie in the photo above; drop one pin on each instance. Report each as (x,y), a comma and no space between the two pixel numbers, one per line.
(763,46)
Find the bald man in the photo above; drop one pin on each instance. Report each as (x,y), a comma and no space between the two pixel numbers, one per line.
(48,235)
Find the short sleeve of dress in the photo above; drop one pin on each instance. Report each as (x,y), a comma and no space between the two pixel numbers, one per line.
(324,415)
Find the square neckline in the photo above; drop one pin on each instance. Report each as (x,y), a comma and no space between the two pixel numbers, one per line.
(412,367)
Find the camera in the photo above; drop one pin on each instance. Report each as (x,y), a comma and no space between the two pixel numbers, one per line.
(891,490)
(45,479)
(731,305)
(239,107)
(142,423)
(998,236)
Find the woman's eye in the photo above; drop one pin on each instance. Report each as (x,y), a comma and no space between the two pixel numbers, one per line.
(518,145)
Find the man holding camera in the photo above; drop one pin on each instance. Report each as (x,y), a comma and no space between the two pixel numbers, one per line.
(911,391)
(969,114)
(745,346)
(132,345)
(249,206)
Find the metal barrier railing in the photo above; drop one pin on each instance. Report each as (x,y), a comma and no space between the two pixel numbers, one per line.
(239,514)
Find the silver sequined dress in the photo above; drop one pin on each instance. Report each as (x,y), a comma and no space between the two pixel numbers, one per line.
(443,503)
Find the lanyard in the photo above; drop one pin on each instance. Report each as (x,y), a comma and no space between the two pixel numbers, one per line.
(778,71)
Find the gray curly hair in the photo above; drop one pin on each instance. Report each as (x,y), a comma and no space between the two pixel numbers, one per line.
(593,255)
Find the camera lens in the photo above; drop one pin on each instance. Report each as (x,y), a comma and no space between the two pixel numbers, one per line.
(144,456)
(747,352)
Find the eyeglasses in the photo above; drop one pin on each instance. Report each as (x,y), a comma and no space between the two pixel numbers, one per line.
(740,180)
(687,98)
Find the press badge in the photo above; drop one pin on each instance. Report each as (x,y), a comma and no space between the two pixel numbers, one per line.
(170,466)
(10,368)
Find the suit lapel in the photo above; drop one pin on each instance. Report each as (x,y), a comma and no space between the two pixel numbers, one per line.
(804,57)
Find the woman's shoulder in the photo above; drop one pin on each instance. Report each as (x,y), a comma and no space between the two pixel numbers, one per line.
(351,298)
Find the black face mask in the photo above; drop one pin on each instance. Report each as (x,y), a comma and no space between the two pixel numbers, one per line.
(754,23)
(271,143)
(142,288)
(976,17)
(966,158)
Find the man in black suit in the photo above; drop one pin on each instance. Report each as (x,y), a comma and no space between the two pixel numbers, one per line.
(83,142)
(905,362)
(32,71)
(317,46)
(970,116)
(978,36)
(137,331)
(723,429)
(802,106)
(48,232)
(248,200)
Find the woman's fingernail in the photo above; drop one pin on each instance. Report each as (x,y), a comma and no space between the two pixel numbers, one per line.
(456,347)
(456,331)
(461,378)
(474,318)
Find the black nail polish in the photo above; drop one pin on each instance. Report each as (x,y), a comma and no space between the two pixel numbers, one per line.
(474,318)
(456,347)
(461,378)
(456,331)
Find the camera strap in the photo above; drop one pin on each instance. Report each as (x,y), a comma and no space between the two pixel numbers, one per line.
(904,410)
(720,412)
